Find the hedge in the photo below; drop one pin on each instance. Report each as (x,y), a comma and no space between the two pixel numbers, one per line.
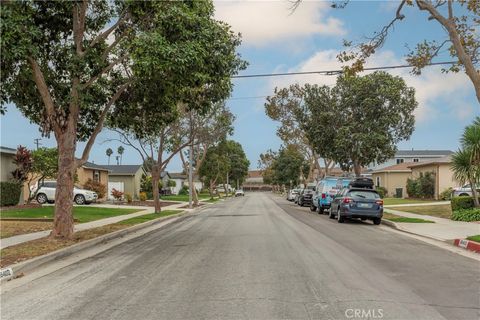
(466,215)
(10,193)
(463,202)
(382,192)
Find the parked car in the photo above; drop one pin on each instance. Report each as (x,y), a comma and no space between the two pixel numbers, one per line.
(291,194)
(358,200)
(325,190)
(221,188)
(239,193)
(466,190)
(305,198)
(297,196)
(46,193)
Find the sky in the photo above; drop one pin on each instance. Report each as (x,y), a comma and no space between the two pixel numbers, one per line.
(275,39)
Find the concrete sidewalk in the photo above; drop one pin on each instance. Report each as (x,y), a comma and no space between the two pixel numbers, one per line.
(442,229)
(11,241)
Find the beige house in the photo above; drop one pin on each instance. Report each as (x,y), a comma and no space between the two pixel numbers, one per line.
(394,179)
(125,178)
(441,170)
(7,156)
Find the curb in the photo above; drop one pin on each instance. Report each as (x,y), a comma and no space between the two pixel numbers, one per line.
(395,226)
(9,272)
(467,245)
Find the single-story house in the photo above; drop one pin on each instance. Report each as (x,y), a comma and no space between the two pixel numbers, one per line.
(125,178)
(7,155)
(442,172)
(181,179)
(254,181)
(394,179)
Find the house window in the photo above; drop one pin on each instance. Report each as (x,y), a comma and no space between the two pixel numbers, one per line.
(96,175)
(415,160)
(377,182)
(399,161)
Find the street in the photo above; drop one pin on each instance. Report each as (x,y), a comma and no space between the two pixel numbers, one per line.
(258,257)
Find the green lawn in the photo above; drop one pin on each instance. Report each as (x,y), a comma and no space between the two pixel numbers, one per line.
(82,213)
(394,201)
(183,198)
(441,211)
(148,217)
(474,238)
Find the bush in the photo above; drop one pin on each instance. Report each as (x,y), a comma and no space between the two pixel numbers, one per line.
(97,187)
(10,193)
(463,202)
(446,194)
(472,214)
(422,187)
(381,191)
(413,188)
(117,194)
(143,196)
(183,191)
(129,198)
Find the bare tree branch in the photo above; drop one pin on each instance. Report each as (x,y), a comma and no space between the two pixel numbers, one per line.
(104,35)
(105,70)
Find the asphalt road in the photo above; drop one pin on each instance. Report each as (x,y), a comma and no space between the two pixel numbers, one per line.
(258,257)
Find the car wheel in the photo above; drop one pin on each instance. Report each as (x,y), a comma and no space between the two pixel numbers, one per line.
(363,219)
(463,195)
(340,219)
(377,221)
(330,214)
(79,199)
(321,210)
(42,198)
(313,208)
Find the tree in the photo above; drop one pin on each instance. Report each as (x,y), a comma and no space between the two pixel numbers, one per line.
(462,38)
(66,64)
(265,164)
(120,151)
(214,168)
(206,129)
(288,166)
(23,161)
(372,114)
(238,161)
(465,163)
(109,153)
(45,165)
(287,106)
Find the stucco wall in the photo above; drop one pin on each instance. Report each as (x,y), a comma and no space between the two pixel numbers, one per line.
(443,176)
(7,166)
(391,181)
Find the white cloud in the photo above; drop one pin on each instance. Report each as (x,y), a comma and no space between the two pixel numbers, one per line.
(452,89)
(265,22)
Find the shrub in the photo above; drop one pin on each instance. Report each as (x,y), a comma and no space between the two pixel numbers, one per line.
(463,202)
(10,193)
(183,191)
(413,189)
(143,196)
(472,214)
(446,194)
(171,183)
(129,198)
(381,191)
(422,187)
(117,194)
(97,187)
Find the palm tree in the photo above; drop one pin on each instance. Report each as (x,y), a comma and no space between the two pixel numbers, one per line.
(109,152)
(120,152)
(466,161)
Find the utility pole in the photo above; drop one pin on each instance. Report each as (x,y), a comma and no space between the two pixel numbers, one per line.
(37,142)
(190,176)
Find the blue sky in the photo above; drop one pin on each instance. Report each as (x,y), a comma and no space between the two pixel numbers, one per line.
(276,40)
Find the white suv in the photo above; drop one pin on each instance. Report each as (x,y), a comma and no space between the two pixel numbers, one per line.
(46,193)
(466,190)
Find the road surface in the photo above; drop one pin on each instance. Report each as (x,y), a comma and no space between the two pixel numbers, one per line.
(258,257)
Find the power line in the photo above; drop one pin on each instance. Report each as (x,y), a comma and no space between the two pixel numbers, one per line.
(336,72)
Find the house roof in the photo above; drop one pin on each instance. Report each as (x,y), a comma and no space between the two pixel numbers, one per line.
(442,160)
(165,173)
(177,175)
(7,150)
(123,169)
(423,153)
(90,165)
(255,174)
(401,167)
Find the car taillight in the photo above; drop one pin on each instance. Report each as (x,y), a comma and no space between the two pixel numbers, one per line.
(347,200)
(323,196)
(379,202)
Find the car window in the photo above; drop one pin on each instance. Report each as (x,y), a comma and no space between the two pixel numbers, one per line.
(49,184)
(363,194)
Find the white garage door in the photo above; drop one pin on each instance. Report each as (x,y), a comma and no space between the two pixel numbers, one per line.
(114,185)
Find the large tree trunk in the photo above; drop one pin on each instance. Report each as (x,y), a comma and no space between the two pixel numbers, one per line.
(156,195)
(357,168)
(63,218)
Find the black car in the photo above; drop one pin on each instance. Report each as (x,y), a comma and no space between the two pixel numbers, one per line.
(358,200)
(305,197)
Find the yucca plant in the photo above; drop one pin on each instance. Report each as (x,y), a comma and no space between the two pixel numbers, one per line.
(464,170)
(471,140)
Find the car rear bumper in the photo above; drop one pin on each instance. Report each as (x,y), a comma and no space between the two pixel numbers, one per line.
(362,214)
